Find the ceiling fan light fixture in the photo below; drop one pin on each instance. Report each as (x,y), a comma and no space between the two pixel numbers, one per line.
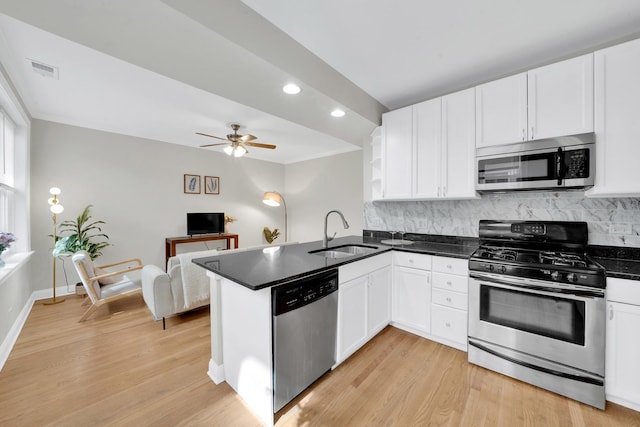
(228,150)
(240,151)
(291,89)
(338,113)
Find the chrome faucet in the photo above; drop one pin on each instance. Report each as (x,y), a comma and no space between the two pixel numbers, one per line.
(326,239)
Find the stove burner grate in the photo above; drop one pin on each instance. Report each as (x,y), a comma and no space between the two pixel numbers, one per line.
(562,259)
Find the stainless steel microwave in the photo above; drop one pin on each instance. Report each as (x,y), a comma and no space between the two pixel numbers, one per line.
(555,163)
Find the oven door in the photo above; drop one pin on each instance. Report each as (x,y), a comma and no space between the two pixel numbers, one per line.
(542,319)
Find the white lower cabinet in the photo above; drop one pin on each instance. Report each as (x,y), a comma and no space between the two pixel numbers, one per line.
(412,292)
(425,295)
(449,301)
(378,301)
(352,316)
(364,303)
(622,369)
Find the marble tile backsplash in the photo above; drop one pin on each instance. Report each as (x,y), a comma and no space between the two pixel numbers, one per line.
(608,219)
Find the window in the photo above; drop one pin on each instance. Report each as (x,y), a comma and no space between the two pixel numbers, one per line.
(7,201)
(15,128)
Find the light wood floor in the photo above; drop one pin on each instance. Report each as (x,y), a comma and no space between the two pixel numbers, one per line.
(120,368)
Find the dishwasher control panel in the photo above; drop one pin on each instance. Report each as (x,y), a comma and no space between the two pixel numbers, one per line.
(300,292)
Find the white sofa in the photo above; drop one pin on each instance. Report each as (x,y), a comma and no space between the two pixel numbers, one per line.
(164,292)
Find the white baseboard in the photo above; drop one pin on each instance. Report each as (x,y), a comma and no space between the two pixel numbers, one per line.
(14,332)
(16,328)
(216,372)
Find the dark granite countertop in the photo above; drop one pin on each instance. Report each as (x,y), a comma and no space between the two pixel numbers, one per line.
(262,268)
(620,268)
(620,262)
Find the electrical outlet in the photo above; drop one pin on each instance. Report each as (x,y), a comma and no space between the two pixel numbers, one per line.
(619,228)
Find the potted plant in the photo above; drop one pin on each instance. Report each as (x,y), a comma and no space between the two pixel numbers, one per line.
(81,234)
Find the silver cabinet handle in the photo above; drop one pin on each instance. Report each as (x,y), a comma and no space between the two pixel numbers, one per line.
(531,133)
(449,282)
(523,133)
(448,325)
(448,299)
(610,312)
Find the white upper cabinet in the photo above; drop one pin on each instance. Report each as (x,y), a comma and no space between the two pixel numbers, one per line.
(397,128)
(617,121)
(458,145)
(554,100)
(501,111)
(561,98)
(429,149)
(427,119)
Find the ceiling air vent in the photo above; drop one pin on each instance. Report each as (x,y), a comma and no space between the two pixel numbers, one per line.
(44,69)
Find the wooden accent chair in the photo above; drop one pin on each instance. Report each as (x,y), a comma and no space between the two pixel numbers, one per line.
(103,284)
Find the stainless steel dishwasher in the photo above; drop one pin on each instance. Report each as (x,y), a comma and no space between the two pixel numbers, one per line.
(305,319)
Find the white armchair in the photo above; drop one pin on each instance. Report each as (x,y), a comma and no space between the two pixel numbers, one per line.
(103,283)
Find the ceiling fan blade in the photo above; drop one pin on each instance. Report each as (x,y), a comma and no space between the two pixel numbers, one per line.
(257,144)
(211,136)
(247,138)
(213,145)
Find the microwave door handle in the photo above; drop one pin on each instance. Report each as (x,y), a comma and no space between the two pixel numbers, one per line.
(560,166)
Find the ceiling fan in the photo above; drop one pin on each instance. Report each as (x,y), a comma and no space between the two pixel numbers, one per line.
(237,143)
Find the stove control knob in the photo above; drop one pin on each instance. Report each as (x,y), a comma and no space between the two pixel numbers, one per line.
(491,267)
(555,275)
(572,277)
(503,269)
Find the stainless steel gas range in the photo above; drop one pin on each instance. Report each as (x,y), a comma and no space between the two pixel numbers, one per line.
(537,307)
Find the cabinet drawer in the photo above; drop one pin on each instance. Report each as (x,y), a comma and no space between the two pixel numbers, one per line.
(623,290)
(450,265)
(365,266)
(449,323)
(406,259)
(451,282)
(449,299)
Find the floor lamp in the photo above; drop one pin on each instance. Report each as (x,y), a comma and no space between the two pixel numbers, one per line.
(273,198)
(55,208)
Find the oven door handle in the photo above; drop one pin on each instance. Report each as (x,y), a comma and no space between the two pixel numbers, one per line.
(581,378)
(516,283)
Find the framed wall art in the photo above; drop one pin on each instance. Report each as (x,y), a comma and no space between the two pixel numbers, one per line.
(211,185)
(191,184)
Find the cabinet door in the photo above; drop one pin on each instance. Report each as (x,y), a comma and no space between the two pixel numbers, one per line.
(622,372)
(459,145)
(501,111)
(427,149)
(560,98)
(379,300)
(412,298)
(398,142)
(352,316)
(617,109)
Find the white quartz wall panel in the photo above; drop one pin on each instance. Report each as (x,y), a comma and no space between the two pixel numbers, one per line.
(461,217)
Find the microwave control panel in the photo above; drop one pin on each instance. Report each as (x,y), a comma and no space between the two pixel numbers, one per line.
(576,163)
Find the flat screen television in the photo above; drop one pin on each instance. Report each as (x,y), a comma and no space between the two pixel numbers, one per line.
(205,223)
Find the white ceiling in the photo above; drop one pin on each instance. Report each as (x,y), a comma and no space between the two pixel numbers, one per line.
(165,69)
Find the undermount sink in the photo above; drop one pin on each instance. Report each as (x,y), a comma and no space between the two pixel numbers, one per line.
(344,251)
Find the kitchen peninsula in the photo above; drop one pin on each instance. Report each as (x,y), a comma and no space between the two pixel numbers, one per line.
(241,302)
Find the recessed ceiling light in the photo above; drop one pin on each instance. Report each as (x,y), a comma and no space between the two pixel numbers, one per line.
(291,89)
(337,113)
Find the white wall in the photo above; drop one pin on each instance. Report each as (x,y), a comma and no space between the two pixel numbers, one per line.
(136,187)
(315,187)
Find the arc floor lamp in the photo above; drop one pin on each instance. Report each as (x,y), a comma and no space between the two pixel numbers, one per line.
(273,198)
